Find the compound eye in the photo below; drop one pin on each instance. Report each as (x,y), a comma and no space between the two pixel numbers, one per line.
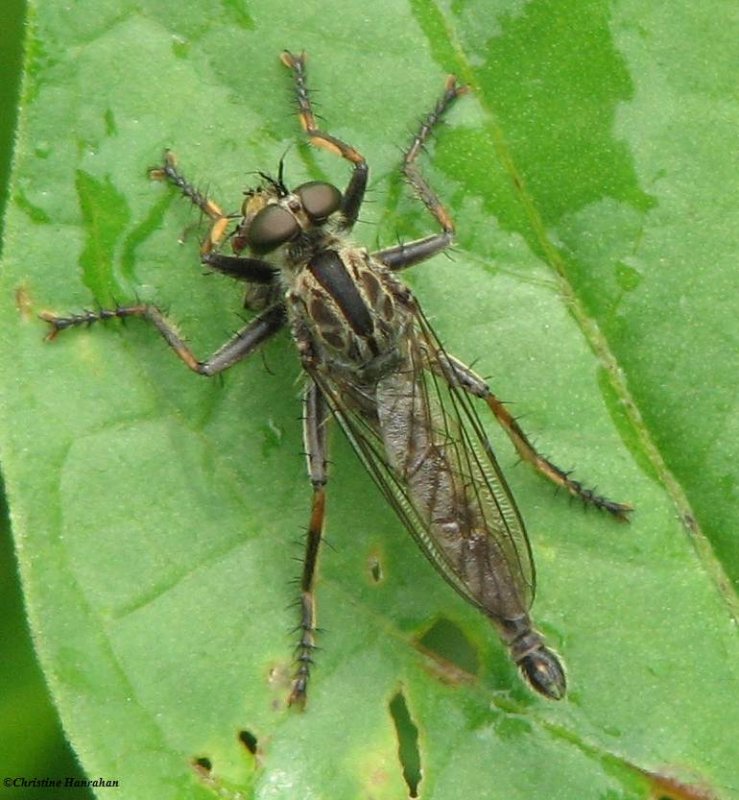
(319,199)
(271,227)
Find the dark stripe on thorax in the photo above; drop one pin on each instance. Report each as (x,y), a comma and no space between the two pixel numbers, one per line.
(329,270)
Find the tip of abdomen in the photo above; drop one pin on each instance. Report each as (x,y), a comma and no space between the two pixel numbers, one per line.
(540,666)
(545,672)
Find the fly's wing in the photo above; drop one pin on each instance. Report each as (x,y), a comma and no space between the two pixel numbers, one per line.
(422,442)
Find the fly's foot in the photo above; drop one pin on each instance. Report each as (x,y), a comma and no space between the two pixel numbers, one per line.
(86,317)
(304,660)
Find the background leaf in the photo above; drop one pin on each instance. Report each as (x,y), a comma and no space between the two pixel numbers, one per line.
(33,743)
(157,516)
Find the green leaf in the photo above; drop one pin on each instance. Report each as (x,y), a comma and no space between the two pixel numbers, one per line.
(158,516)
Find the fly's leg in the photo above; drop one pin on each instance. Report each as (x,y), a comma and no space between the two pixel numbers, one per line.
(409,254)
(406,255)
(314,434)
(241,345)
(170,173)
(253,270)
(242,268)
(354,193)
(472,383)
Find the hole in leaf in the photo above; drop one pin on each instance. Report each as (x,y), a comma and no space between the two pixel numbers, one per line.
(249,740)
(666,786)
(446,641)
(407,733)
(375,569)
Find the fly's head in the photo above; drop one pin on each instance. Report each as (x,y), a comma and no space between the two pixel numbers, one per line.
(273,215)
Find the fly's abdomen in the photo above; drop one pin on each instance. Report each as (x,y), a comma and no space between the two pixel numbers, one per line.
(463,522)
(461,511)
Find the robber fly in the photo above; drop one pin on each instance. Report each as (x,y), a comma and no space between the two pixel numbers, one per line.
(373,362)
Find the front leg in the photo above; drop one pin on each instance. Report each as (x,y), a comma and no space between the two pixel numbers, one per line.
(353,195)
(170,173)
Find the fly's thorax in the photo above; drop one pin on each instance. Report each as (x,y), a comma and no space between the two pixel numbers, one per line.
(354,310)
